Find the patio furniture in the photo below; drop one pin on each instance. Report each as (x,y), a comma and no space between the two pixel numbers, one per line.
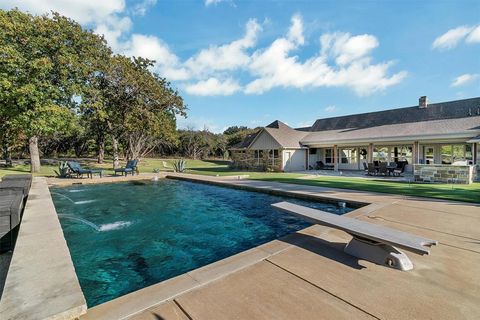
(322,166)
(77,169)
(382,168)
(371,242)
(391,167)
(11,205)
(371,169)
(130,167)
(399,170)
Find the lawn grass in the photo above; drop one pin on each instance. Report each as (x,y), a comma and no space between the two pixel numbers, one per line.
(467,193)
(459,192)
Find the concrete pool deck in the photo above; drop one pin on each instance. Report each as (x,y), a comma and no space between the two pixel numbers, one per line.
(306,275)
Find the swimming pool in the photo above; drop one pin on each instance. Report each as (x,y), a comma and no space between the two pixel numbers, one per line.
(128,235)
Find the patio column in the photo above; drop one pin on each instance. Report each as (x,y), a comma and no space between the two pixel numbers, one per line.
(335,160)
(415,152)
(370,153)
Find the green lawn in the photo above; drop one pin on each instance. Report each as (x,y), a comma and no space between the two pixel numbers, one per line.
(468,193)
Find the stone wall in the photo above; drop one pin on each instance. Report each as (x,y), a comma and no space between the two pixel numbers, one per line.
(245,160)
(441,173)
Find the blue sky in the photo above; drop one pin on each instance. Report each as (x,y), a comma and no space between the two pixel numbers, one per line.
(251,62)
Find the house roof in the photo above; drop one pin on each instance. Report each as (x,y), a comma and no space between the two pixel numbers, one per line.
(286,136)
(453,119)
(247,141)
(435,111)
(460,127)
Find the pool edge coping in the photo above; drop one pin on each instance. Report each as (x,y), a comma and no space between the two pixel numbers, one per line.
(41,248)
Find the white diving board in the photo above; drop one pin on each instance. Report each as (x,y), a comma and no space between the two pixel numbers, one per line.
(370,241)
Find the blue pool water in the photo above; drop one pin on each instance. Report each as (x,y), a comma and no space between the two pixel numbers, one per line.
(126,236)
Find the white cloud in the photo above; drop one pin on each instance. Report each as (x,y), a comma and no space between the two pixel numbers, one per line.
(295,33)
(276,67)
(213,2)
(330,109)
(141,8)
(343,60)
(464,79)
(453,37)
(167,64)
(83,11)
(474,36)
(230,56)
(345,48)
(213,87)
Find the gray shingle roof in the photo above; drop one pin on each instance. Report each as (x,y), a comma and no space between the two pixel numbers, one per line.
(466,127)
(245,143)
(286,136)
(435,111)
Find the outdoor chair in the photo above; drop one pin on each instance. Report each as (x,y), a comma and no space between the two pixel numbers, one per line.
(77,169)
(322,166)
(399,170)
(371,169)
(382,168)
(131,167)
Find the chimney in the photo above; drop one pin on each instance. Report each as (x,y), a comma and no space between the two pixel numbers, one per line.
(423,102)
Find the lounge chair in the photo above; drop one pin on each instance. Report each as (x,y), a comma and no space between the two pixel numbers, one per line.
(77,169)
(131,167)
(322,166)
(371,242)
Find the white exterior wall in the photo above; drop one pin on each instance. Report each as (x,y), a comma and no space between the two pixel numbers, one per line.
(294,159)
(265,142)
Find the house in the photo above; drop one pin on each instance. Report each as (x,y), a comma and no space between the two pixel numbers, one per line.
(446,133)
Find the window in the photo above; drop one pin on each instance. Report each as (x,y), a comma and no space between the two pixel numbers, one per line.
(380,154)
(274,153)
(446,154)
(404,153)
(348,155)
(329,155)
(459,154)
(312,151)
(429,155)
(258,154)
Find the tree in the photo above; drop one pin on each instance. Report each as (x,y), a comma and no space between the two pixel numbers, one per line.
(236,134)
(45,65)
(235,129)
(136,106)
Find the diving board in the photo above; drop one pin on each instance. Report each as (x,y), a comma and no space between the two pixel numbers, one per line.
(370,241)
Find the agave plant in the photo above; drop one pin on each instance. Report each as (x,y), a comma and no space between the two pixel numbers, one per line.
(180,165)
(63,170)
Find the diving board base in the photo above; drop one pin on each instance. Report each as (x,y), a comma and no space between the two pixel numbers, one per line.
(379,253)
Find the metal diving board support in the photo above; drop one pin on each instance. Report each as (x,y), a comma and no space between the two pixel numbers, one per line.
(372,242)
